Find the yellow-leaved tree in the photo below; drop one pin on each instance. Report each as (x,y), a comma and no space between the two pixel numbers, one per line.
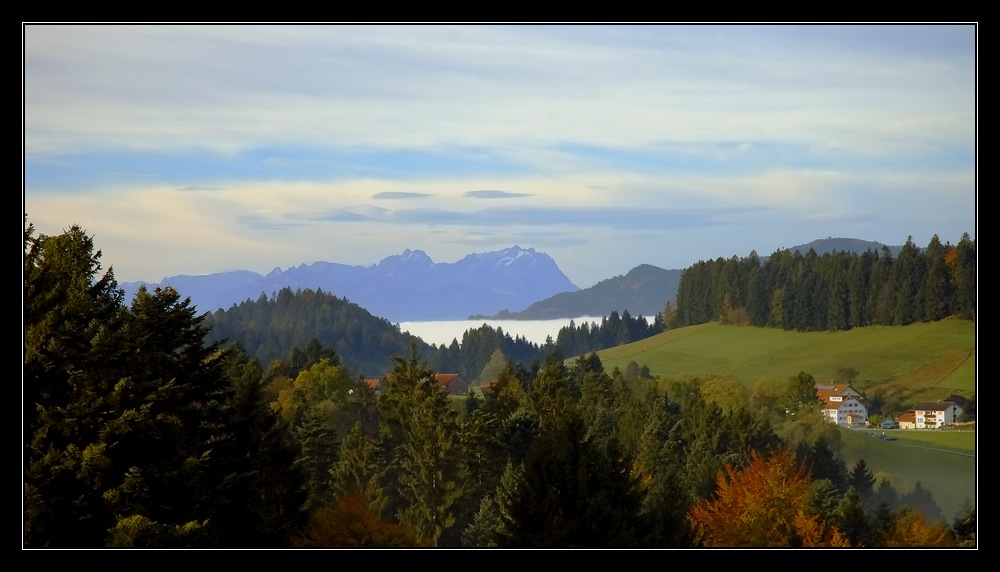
(912,529)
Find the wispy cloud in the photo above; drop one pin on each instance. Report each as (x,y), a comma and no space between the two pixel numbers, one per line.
(399,195)
(199,189)
(488,194)
(608,145)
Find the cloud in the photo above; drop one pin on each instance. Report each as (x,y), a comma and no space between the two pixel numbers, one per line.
(191,147)
(494,194)
(399,195)
(619,219)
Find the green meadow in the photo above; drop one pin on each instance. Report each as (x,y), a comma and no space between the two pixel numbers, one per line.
(924,361)
(944,462)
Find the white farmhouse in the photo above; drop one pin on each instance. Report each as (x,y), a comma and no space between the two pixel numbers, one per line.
(934,414)
(842,404)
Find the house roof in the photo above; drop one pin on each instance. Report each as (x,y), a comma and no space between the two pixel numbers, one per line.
(933,405)
(824,391)
(907,417)
(447,379)
(372,382)
(957,400)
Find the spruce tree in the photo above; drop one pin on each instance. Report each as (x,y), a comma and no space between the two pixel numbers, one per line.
(136,435)
(571,492)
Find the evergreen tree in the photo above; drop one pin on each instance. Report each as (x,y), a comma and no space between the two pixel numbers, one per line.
(963,276)
(138,432)
(553,395)
(907,280)
(862,480)
(859,286)
(964,527)
(921,499)
(852,520)
(317,454)
(484,457)
(883,521)
(822,463)
(937,288)
(823,500)
(359,470)
(518,432)
(170,409)
(505,395)
(73,319)
(661,459)
(303,358)
(259,501)
(571,493)
(419,438)
(481,533)
(886,495)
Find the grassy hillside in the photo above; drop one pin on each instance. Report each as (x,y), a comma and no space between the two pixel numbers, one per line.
(917,362)
(925,361)
(944,462)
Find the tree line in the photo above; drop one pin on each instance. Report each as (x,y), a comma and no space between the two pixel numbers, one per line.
(140,432)
(835,291)
(272,327)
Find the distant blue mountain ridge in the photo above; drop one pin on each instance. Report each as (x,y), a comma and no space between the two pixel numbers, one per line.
(514,283)
(401,288)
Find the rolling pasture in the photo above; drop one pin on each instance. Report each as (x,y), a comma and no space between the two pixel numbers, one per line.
(918,362)
(944,462)
(923,361)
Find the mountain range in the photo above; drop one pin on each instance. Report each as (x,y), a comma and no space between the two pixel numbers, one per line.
(401,288)
(515,283)
(644,291)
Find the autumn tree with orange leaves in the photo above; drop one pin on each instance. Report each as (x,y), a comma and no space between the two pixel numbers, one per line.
(763,505)
(913,529)
(350,522)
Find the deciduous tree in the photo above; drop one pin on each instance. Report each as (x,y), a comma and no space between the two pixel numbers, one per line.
(913,530)
(351,523)
(763,505)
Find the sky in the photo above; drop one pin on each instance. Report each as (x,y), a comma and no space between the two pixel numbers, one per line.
(197,149)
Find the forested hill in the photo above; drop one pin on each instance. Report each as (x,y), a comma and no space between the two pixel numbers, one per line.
(644,291)
(834,291)
(280,326)
(270,328)
(830,245)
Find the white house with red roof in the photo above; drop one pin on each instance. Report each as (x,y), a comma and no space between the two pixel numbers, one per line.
(842,404)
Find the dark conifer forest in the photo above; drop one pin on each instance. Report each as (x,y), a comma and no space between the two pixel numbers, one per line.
(835,291)
(273,328)
(149,425)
